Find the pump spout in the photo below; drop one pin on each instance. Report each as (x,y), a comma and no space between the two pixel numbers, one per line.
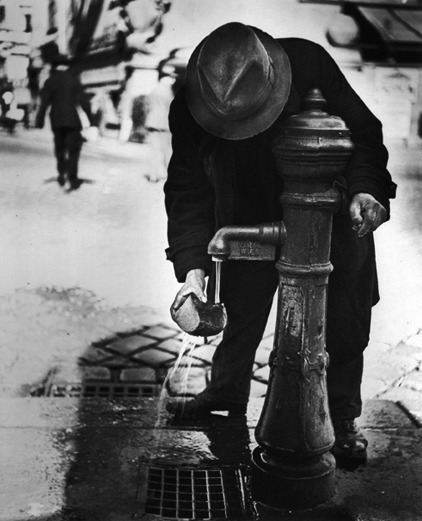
(255,242)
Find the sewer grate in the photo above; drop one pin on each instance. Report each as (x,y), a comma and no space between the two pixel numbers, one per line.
(197,493)
(104,390)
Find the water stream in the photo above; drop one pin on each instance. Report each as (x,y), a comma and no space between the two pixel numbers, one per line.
(217,264)
(181,368)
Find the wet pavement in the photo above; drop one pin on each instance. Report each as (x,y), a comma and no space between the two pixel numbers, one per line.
(95,459)
(86,344)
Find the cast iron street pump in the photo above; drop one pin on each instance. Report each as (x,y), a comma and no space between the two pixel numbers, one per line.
(292,466)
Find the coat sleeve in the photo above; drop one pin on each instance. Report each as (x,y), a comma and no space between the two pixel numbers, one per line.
(189,196)
(367,168)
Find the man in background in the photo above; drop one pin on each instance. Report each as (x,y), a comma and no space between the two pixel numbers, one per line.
(63,92)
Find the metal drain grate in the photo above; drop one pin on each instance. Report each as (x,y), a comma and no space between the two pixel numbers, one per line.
(197,493)
(104,390)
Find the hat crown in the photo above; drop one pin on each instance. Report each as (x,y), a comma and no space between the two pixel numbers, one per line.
(235,71)
(238,81)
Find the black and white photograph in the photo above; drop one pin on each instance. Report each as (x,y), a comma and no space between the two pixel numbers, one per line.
(211,260)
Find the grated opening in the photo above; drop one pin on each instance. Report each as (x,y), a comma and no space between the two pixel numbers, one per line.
(104,390)
(197,493)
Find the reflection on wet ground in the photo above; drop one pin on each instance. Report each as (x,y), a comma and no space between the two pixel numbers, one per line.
(89,459)
(115,444)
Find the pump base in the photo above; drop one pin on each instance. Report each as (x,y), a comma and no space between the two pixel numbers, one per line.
(293,484)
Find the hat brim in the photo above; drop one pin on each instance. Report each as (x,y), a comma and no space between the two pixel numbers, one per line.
(256,122)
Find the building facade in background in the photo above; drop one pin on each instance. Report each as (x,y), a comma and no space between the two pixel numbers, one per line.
(16,30)
(113,45)
(388,36)
(123,47)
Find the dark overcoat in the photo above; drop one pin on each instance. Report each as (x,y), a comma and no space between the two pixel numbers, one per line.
(63,91)
(214,182)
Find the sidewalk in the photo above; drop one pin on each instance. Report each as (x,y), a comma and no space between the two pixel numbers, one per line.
(90,343)
(107,145)
(71,459)
(85,434)
(84,442)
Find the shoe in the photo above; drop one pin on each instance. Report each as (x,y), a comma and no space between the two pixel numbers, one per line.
(350,444)
(75,184)
(61,180)
(203,405)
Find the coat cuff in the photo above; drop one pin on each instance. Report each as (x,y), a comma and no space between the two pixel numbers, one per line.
(373,189)
(190,259)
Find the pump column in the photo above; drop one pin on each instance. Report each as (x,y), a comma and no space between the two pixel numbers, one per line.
(292,467)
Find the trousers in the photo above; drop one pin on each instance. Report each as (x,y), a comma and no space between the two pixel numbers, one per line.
(67,149)
(247,290)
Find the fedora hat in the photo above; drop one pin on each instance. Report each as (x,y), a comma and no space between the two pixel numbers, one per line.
(238,81)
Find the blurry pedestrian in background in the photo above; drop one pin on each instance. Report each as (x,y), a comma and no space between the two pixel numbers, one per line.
(157,128)
(63,91)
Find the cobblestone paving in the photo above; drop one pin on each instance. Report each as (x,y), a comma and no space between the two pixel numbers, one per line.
(54,340)
(66,342)
(146,357)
